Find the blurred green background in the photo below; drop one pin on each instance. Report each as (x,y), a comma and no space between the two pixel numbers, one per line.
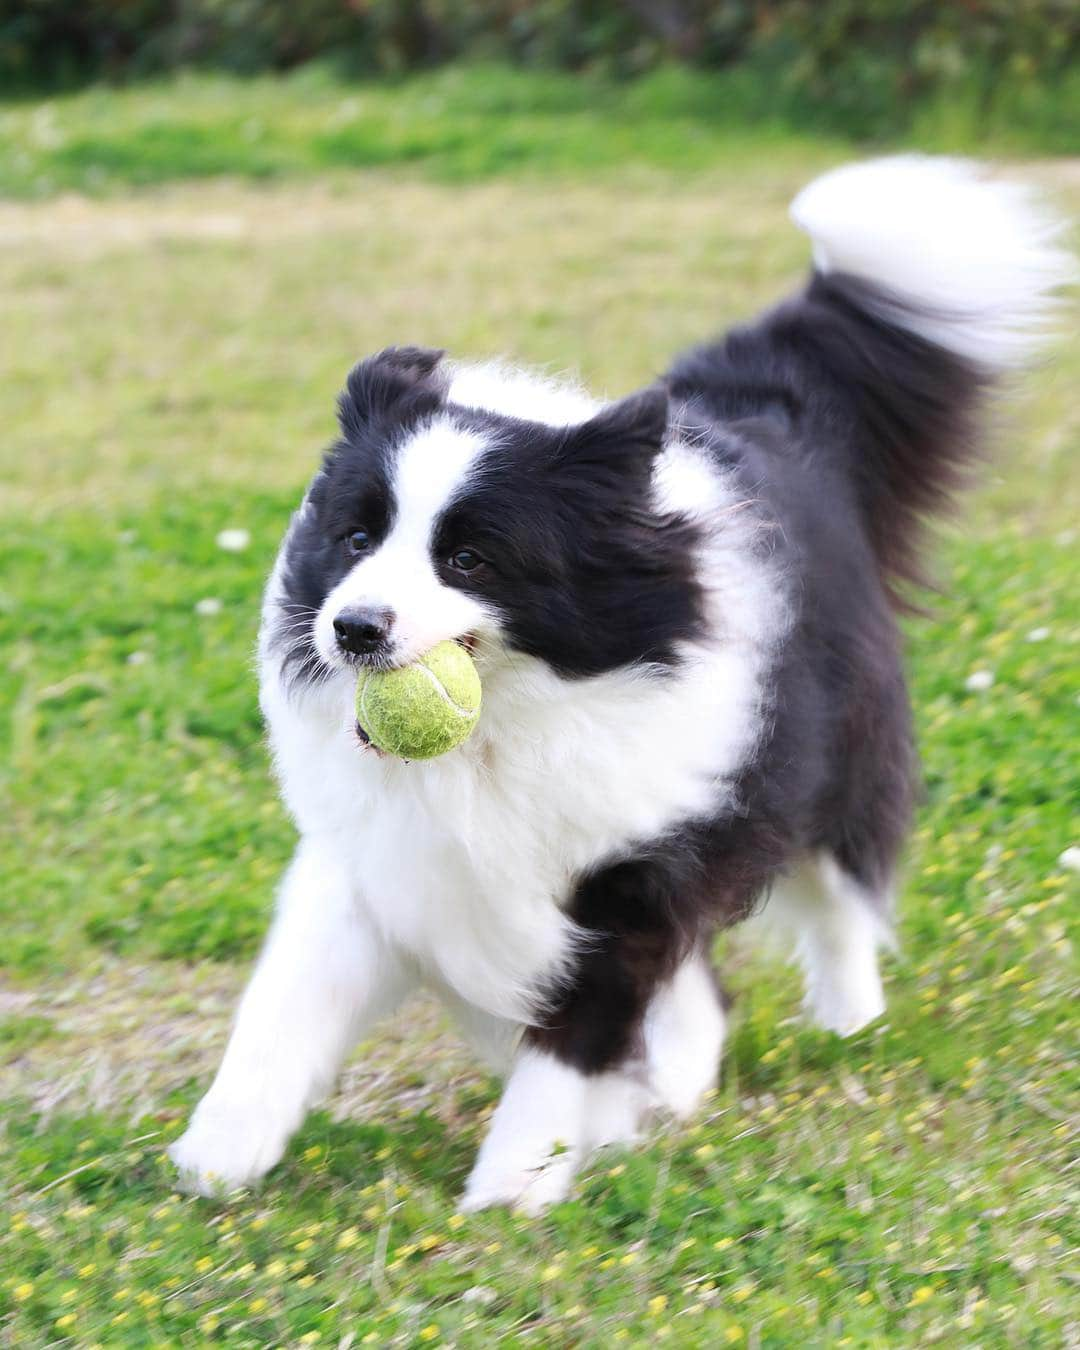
(207,212)
(966,69)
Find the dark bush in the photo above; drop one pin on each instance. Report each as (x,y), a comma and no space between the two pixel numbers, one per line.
(854,65)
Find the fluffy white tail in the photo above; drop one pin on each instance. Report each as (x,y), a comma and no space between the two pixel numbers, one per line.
(970,263)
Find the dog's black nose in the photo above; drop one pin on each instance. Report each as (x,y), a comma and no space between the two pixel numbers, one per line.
(363,629)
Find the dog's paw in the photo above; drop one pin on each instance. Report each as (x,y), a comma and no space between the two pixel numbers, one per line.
(221,1151)
(846,1008)
(529,1190)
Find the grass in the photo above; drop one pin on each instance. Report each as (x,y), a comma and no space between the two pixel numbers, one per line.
(464,124)
(170,366)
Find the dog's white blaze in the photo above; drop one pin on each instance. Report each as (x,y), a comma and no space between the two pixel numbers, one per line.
(400,575)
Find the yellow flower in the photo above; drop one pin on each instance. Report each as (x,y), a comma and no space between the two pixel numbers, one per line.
(257,1304)
(741,1294)
(657,1304)
(204,1263)
(429,1332)
(722,1244)
(733,1334)
(923,1294)
(23,1291)
(551,1272)
(864,1297)
(455,1221)
(68,1320)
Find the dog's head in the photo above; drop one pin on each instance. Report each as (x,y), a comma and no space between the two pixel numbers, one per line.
(431,519)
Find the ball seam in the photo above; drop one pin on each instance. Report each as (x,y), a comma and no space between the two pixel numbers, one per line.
(442,689)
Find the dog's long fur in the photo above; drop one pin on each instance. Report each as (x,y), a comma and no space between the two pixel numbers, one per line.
(682,606)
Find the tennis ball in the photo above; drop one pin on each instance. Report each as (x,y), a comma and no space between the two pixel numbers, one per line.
(422,710)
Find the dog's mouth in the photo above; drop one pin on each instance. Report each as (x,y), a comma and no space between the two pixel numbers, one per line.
(364,741)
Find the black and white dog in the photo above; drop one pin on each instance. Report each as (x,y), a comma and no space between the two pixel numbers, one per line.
(682,606)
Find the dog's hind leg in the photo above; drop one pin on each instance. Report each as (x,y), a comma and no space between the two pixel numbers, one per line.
(684,1036)
(834,928)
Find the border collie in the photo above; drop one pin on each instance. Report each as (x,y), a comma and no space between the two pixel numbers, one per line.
(683,609)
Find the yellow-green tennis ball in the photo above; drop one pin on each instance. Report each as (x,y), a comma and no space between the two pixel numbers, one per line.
(422,710)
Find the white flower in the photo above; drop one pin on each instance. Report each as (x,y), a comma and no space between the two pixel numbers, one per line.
(234,541)
(137,658)
(1071,858)
(1038,635)
(979,680)
(208,606)
(479,1293)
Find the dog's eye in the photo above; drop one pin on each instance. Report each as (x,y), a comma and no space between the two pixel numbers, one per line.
(465,560)
(359,541)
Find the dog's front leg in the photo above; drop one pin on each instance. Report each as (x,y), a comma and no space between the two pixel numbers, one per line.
(323,976)
(584,1075)
(550,1118)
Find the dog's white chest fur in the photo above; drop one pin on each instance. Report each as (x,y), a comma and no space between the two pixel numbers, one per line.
(465,862)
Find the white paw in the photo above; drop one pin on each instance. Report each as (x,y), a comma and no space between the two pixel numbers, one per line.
(530,1190)
(222,1150)
(847,1010)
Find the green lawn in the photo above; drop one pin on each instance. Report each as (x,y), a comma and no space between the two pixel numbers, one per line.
(468,122)
(169,365)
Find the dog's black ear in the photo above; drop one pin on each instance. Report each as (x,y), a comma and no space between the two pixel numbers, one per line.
(630,432)
(405,380)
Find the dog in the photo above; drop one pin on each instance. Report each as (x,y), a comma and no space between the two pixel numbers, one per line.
(683,608)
